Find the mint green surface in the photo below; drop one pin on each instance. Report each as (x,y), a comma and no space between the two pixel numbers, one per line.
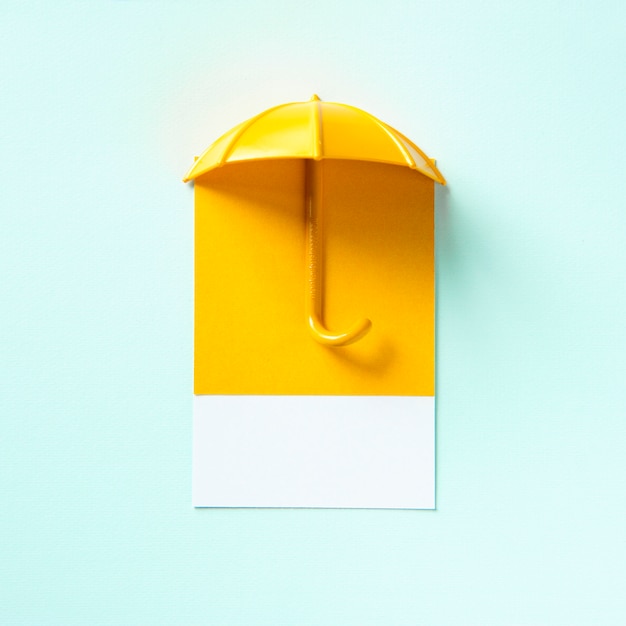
(102,107)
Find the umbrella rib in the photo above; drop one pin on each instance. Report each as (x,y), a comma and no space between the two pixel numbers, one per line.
(439,176)
(391,134)
(399,139)
(317,128)
(244,127)
(408,157)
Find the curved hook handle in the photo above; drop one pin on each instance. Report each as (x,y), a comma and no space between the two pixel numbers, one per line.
(323,335)
(314,239)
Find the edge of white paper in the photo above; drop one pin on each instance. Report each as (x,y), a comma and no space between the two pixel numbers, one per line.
(314,451)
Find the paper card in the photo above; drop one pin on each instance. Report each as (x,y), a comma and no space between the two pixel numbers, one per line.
(281,420)
(314,451)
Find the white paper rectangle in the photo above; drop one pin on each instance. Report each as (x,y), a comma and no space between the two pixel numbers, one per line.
(314,451)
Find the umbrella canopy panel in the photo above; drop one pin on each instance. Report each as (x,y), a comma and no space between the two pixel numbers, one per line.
(315,130)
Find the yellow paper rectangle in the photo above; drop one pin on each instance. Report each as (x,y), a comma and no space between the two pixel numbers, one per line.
(251,333)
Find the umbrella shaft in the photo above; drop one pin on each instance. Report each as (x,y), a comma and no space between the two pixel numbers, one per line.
(314,237)
(315,264)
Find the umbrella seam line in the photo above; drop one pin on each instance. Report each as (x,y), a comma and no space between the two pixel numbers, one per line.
(246,125)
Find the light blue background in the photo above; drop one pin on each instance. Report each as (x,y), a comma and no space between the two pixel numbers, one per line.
(104,104)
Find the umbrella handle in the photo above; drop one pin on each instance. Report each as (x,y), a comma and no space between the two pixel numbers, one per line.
(314,258)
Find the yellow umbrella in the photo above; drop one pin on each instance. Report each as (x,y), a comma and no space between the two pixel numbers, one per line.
(313,131)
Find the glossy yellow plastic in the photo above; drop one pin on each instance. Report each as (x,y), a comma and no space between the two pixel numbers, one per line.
(313,131)
(315,259)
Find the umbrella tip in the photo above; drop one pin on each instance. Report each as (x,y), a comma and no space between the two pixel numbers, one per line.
(314,97)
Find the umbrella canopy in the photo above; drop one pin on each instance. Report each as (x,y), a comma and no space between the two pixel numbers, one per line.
(314,131)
